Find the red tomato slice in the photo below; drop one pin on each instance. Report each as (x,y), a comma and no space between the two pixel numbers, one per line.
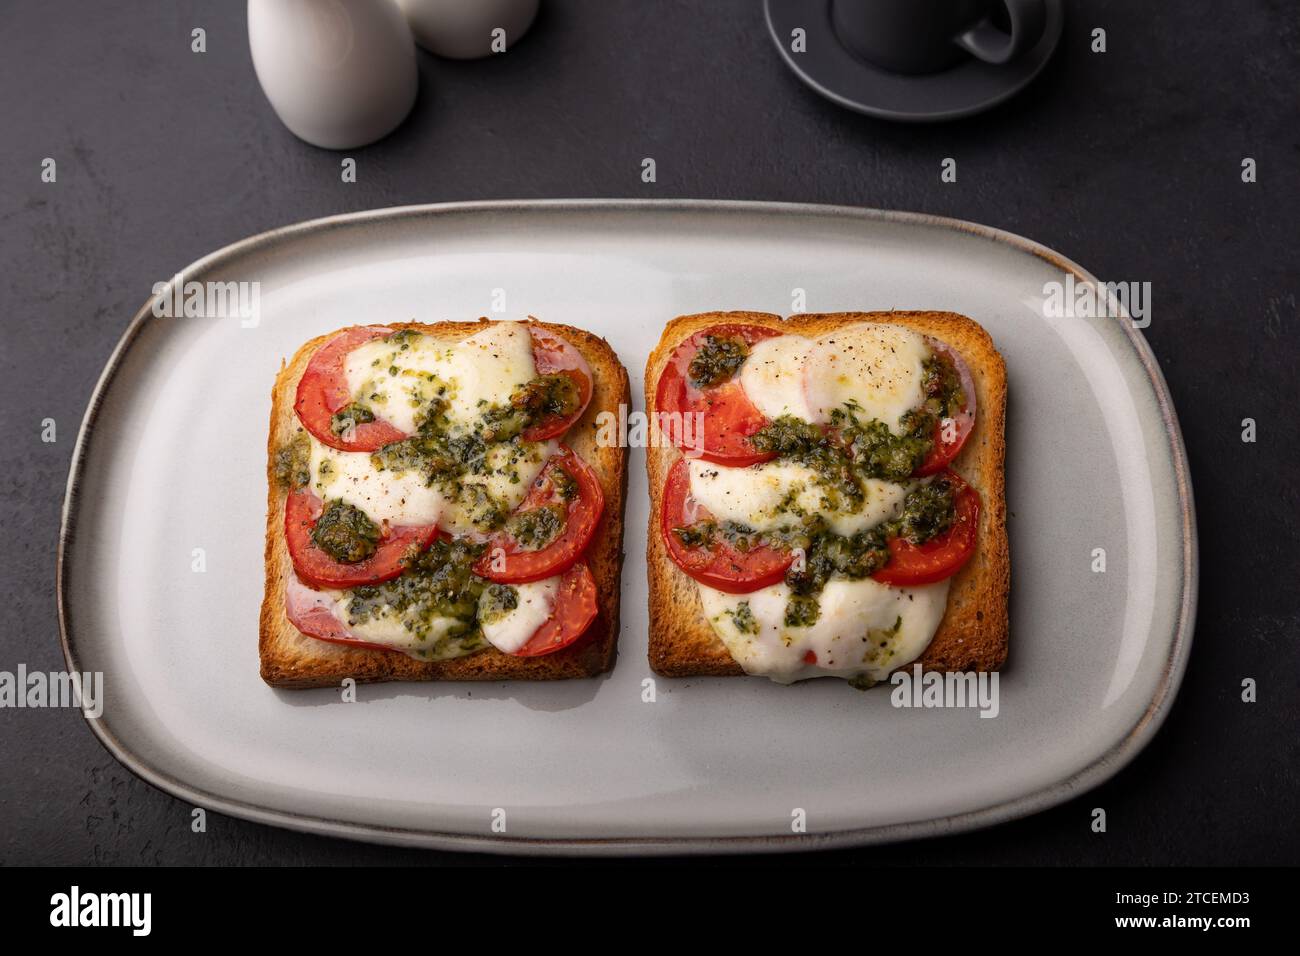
(948,441)
(555,355)
(721,566)
(575,609)
(317,568)
(323,390)
(729,416)
(513,564)
(941,557)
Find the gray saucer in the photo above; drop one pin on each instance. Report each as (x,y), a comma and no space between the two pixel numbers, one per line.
(970,87)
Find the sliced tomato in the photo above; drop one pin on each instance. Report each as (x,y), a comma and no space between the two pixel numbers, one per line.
(323,390)
(940,557)
(720,565)
(313,613)
(575,609)
(315,566)
(507,562)
(950,435)
(555,355)
(729,416)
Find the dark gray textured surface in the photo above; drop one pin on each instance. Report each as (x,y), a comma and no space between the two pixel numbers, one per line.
(1127,162)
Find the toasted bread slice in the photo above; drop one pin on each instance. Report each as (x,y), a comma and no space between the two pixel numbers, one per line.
(974,632)
(292,659)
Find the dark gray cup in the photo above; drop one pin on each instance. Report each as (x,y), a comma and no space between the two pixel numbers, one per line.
(923,36)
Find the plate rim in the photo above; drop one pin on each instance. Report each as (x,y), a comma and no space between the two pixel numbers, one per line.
(1092,775)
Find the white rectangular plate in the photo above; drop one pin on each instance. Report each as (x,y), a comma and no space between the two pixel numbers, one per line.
(171,458)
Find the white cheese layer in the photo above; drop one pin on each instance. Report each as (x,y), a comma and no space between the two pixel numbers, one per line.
(388,629)
(442,638)
(775,494)
(511,630)
(397,380)
(876,367)
(864,628)
(426,640)
(772,376)
(398,499)
(488,366)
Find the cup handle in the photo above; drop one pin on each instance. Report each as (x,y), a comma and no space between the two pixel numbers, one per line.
(984,40)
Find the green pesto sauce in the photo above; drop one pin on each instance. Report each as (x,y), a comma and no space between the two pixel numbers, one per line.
(795,440)
(448,460)
(718,359)
(403,338)
(439,582)
(927,511)
(802,610)
(293,462)
(436,454)
(485,511)
(701,534)
(853,450)
(498,601)
(349,416)
(537,527)
(878,453)
(546,396)
(942,387)
(743,618)
(345,533)
(564,484)
(827,554)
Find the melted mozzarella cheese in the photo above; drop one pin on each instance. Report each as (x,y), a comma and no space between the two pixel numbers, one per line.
(775,494)
(876,367)
(511,630)
(864,628)
(431,639)
(489,365)
(398,383)
(478,499)
(772,376)
(435,638)
(388,629)
(399,499)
